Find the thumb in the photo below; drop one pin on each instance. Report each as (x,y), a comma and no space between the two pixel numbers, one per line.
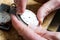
(17,24)
(46,9)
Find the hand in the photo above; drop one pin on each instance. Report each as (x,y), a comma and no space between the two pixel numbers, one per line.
(47,8)
(21,5)
(33,32)
(26,31)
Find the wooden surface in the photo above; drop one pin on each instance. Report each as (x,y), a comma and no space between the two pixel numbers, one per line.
(32,5)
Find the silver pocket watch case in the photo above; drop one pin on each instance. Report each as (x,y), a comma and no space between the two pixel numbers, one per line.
(29,18)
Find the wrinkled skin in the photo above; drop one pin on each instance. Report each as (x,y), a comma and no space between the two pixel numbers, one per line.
(31,33)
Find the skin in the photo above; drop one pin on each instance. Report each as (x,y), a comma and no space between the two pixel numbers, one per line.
(47,8)
(31,33)
(21,5)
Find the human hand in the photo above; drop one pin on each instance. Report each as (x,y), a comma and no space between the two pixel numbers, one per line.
(21,5)
(46,8)
(24,30)
(31,32)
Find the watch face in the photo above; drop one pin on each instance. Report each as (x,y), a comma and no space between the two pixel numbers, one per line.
(4,17)
(29,18)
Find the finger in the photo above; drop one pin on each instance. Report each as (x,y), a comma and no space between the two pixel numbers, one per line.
(56,34)
(25,31)
(40,31)
(18,24)
(21,5)
(46,9)
(49,36)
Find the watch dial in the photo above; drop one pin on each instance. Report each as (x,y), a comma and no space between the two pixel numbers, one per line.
(29,18)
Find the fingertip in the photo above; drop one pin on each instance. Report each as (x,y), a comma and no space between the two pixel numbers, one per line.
(20,10)
(40,19)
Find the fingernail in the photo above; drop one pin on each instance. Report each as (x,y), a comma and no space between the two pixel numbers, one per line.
(19,12)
